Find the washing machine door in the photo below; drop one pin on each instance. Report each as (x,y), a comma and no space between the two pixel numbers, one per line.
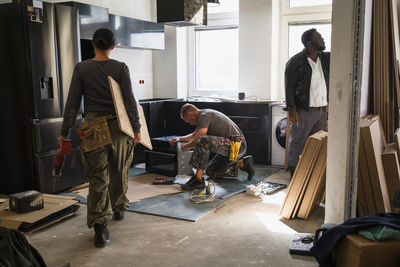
(280,132)
(278,143)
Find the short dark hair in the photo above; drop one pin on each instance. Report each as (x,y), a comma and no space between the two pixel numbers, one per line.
(187,108)
(103,39)
(306,36)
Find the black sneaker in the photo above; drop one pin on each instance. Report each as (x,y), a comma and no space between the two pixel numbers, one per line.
(248,166)
(193,183)
(118,215)
(101,235)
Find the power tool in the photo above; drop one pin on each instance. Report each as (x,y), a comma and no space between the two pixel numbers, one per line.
(65,149)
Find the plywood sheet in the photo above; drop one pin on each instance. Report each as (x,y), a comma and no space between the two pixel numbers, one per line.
(374,147)
(146,141)
(392,171)
(123,118)
(301,176)
(316,184)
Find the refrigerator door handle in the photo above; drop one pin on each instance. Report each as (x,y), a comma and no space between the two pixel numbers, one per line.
(46,88)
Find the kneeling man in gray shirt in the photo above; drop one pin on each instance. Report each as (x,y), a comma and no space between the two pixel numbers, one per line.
(214,133)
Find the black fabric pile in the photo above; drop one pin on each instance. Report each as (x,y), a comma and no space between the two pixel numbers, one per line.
(16,251)
(324,247)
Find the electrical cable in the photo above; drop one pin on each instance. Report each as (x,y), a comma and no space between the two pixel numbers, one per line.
(197,195)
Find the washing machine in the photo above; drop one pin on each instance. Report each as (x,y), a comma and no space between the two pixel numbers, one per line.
(278,134)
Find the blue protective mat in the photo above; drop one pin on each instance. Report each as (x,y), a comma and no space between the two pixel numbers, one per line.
(179,206)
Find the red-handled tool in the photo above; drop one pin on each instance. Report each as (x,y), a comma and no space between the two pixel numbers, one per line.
(65,149)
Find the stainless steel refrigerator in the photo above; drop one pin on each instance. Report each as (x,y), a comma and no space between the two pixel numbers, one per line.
(39,47)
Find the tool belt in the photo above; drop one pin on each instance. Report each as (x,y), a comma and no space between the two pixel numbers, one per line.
(95,133)
(235,148)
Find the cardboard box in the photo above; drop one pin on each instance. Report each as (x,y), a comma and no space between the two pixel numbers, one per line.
(355,250)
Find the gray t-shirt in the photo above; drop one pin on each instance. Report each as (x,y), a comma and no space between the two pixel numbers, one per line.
(90,81)
(218,124)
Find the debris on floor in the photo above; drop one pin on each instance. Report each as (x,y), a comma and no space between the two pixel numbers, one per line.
(264,188)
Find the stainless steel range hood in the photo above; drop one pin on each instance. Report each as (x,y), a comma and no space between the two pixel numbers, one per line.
(182,12)
(129,32)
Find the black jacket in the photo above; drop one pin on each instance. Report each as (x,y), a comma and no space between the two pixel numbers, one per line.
(324,247)
(298,78)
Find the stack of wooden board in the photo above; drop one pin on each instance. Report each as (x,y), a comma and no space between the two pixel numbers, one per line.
(308,182)
(384,62)
(378,174)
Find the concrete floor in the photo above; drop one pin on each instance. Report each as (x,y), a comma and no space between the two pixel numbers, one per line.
(245,231)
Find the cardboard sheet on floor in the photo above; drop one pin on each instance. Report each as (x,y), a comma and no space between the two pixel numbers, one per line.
(141,186)
(55,209)
(82,198)
(179,206)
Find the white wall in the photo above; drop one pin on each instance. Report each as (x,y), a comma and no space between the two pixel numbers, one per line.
(170,65)
(340,195)
(366,59)
(258,36)
(140,62)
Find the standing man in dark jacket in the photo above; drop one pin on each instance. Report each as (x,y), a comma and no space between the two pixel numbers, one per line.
(307,90)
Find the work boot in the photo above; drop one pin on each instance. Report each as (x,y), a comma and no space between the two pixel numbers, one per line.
(193,183)
(101,235)
(118,215)
(248,166)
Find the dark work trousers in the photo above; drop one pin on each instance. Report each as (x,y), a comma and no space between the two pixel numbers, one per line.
(310,122)
(107,170)
(220,166)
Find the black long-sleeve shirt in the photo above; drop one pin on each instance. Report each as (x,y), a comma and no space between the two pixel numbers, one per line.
(90,81)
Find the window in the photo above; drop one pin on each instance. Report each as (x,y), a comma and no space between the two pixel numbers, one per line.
(295,31)
(217,60)
(300,3)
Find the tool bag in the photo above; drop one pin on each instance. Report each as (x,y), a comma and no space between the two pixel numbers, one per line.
(95,134)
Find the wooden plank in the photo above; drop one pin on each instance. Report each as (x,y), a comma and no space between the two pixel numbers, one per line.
(397,141)
(297,179)
(392,171)
(319,136)
(300,176)
(316,184)
(374,146)
(366,181)
(364,177)
(361,201)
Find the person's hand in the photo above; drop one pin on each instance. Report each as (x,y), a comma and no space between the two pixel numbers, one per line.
(185,146)
(60,140)
(294,116)
(137,138)
(174,140)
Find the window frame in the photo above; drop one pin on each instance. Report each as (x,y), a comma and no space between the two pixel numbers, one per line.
(292,16)
(217,21)
(221,93)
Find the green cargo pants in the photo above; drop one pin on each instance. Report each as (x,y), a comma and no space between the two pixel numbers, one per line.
(106,169)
